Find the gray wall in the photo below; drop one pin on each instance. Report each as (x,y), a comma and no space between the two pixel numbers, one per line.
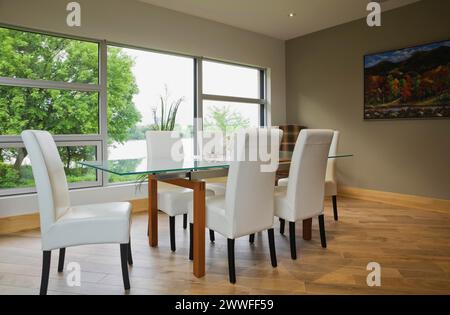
(325,90)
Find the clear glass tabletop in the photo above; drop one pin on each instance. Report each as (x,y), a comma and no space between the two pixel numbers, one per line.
(155,166)
(287,155)
(158,166)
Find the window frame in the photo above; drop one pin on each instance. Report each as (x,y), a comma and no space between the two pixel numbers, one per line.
(98,140)
(79,185)
(155,51)
(261,101)
(47,84)
(101,139)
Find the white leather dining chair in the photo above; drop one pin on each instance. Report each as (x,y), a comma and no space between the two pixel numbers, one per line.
(248,204)
(214,146)
(175,201)
(303,196)
(63,225)
(330,178)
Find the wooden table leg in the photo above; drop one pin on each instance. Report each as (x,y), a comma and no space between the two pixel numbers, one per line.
(152,211)
(199,229)
(199,189)
(307,229)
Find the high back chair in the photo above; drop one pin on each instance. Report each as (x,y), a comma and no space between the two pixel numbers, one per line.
(248,204)
(214,146)
(64,225)
(174,202)
(161,144)
(304,195)
(330,179)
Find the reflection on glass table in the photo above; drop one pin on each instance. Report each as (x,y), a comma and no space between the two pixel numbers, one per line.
(156,166)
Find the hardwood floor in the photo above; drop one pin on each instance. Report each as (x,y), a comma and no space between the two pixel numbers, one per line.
(412,246)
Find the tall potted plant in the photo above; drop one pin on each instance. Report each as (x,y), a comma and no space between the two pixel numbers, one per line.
(168,109)
(164,120)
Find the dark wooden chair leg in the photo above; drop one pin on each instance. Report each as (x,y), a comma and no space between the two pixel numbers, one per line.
(292,240)
(46,259)
(282,223)
(273,254)
(185,217)
(130,256)
(62,255)
(124,264)
(212,237)
(231,266)
(251,238)
(323,238)
(172,233)
(335,210)
(191,241)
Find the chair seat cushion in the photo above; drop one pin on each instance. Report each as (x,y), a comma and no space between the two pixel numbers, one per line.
(175,201)
(284,211)
(330,186)
(90,224)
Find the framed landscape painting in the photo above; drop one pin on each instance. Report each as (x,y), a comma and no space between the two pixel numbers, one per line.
(410,83)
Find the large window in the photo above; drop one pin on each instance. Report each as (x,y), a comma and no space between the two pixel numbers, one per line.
(48,83)
(230,80)
(62,112)
(163,98)
(229,117)
(16,173)
(98,100)
(233,97)
(36,56)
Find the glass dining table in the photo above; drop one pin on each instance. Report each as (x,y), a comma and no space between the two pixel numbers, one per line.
(187,173)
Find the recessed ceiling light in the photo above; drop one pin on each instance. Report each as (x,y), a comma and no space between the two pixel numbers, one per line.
(292,14)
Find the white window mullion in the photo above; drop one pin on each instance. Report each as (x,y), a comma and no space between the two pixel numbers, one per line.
(44,84)
(222,98)
(198,111)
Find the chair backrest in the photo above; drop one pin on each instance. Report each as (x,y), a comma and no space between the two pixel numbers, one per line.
(331,166)
(306,185)
(213,144)
(290,135)
(250,191)
(49,176)
(161,143)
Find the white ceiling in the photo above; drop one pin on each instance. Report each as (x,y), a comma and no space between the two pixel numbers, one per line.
(270,17)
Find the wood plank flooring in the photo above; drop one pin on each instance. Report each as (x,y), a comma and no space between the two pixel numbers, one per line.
(412,247)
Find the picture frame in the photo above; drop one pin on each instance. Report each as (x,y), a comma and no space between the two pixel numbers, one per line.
(408,83)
